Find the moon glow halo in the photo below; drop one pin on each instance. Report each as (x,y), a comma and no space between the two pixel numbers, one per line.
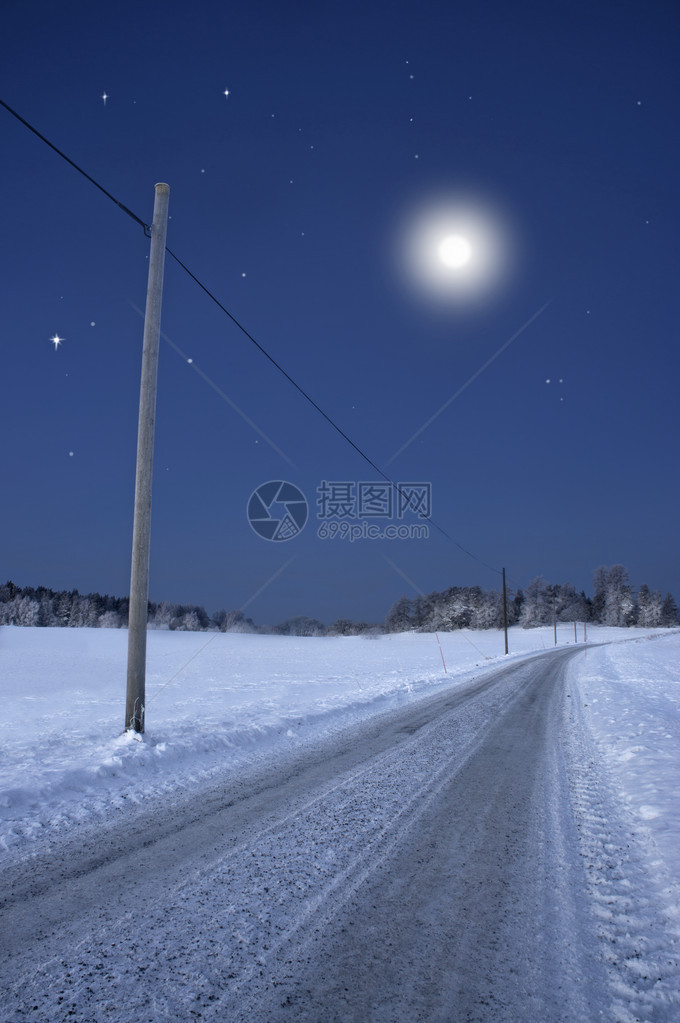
(455,250)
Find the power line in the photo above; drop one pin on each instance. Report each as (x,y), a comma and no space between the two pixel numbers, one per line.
(367,459)
(277,365)
(138,220)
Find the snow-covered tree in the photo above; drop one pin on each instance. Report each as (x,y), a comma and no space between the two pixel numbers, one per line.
(487,609)
(420,611)
(341,627)
(599,593)
(515,607)
(22,611)
(63,607)
(649,608)
(435,613)
(84,613)
(583,609)
(537,606)
(109,620)
(8,591)
(400,616)
(46,613)
(233,621)
(189,622)
(458,608)
(163,615)
(619,607)
(669,612)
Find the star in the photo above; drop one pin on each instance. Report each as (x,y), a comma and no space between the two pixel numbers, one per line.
(56,341)
(105,97)
(226,92)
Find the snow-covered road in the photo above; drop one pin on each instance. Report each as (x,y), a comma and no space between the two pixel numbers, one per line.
(455,860)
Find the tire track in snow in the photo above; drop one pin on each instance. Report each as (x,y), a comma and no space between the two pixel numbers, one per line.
(377,846)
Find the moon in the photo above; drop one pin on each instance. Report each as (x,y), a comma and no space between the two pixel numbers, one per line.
(454,251)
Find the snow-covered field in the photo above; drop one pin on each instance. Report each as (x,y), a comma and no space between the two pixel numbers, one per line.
(215,701)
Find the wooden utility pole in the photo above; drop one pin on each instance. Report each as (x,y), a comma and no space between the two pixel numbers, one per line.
(141,532)
(505,613)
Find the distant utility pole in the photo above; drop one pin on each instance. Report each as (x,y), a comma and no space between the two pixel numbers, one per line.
(505,613)
(555,618)
(141,531)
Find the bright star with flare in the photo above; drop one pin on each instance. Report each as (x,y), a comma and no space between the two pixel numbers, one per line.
(56,341)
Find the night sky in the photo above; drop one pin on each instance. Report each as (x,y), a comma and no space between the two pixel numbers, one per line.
(383,195)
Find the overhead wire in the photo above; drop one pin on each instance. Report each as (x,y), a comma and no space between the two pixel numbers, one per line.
(147,231)
(122,206)
(367,459)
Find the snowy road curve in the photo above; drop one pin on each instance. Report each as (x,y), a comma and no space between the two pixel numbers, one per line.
(433,864)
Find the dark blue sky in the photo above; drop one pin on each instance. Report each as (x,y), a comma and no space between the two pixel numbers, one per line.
(550,131)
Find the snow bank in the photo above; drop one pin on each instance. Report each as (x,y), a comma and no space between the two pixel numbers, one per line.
(630,694)
(214,701)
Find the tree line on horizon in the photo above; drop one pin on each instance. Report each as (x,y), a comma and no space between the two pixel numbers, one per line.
(614,602)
